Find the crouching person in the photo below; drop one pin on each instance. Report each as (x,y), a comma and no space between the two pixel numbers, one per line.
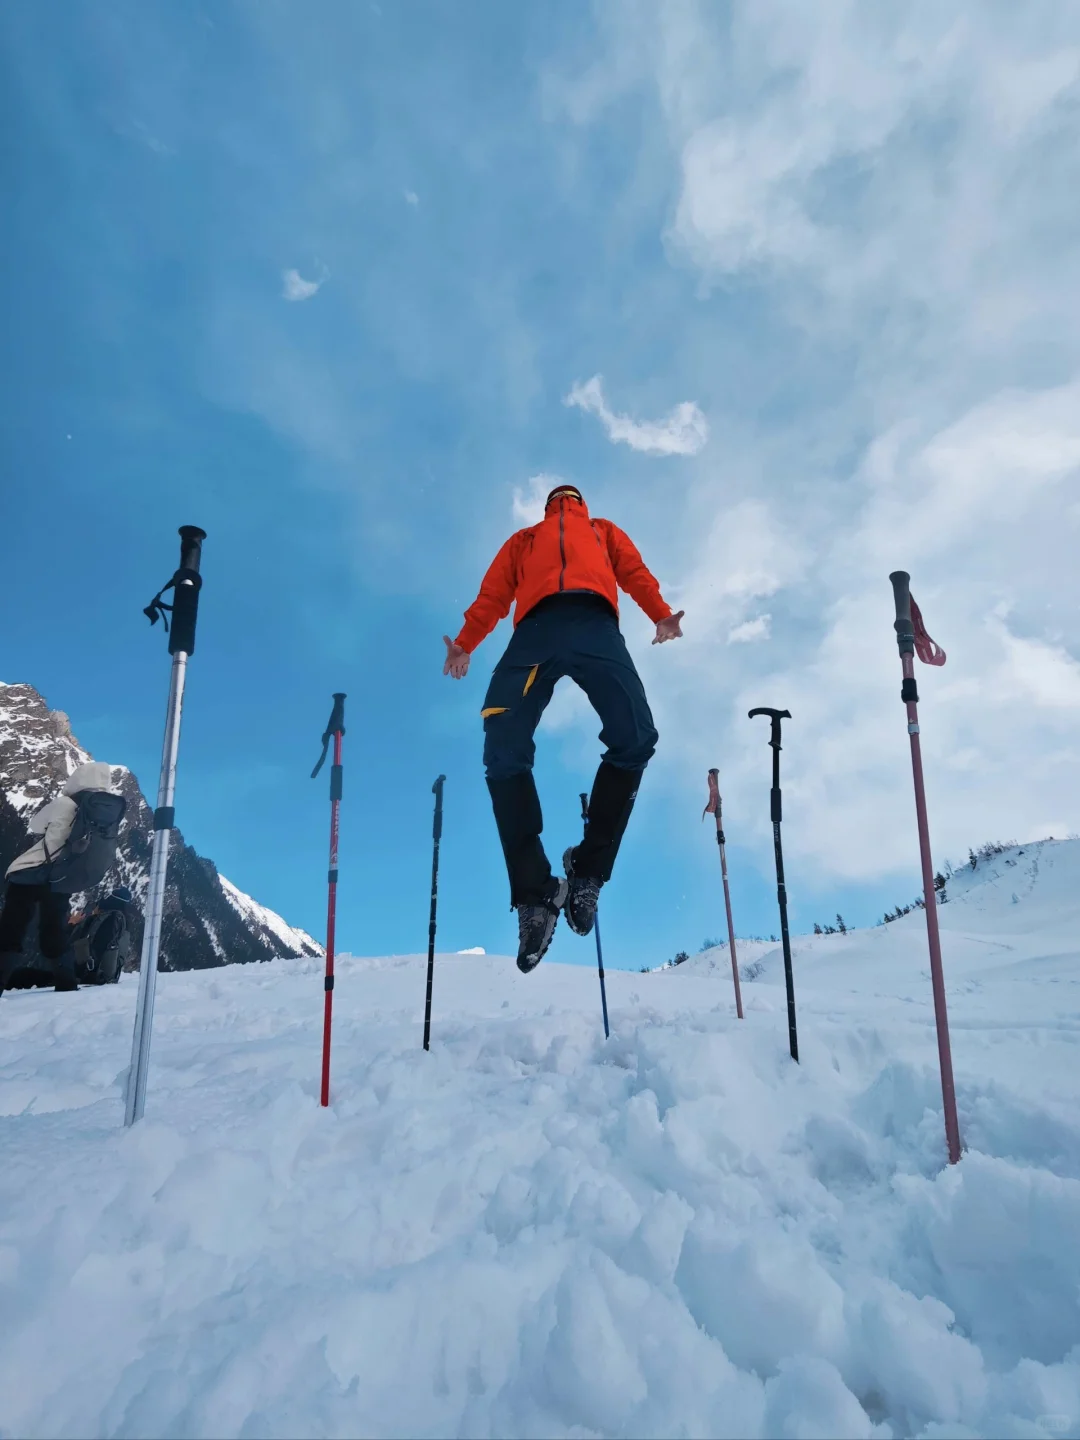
(72,844)
(101,941)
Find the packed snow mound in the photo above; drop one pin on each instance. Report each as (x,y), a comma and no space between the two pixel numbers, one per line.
(529,1231)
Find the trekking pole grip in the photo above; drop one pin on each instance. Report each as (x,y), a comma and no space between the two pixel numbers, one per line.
(715,804)
(187,582)
(191,538)
(437,791)
(334,726)
(905,629)
(775,716)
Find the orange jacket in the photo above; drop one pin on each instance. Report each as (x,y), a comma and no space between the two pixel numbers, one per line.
(566,551)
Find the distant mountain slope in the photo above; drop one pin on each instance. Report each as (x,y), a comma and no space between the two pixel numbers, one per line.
(207,920)
(986,919)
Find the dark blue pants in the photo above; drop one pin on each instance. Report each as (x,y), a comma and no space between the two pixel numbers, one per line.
(578,636)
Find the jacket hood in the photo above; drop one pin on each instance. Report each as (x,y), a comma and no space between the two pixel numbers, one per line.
(94,775)
(575,506)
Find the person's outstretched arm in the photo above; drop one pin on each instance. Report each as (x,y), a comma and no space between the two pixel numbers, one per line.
(635,577)
(493,603)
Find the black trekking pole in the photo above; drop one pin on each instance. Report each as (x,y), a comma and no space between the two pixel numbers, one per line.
(436,835)
(185,585)
(335,730)
(596,927)
(781,889)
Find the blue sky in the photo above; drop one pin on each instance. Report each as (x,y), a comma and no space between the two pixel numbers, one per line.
(844,236)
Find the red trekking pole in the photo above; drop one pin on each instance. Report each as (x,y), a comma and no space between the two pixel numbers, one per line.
(911,637)
(335,729)
(714,807)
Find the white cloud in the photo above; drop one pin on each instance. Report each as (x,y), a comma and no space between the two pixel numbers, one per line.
(1046,675)
(528,504)
(683,432)
(295,287)
(880,187)
(411,198)
(750,630)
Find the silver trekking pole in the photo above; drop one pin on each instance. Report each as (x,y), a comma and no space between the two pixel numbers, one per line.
(185,585)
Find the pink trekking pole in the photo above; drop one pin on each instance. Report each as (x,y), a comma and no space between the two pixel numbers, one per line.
(715,807)
(911,637)
(335,729)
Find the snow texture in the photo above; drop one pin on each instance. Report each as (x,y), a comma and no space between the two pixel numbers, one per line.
(532,1232)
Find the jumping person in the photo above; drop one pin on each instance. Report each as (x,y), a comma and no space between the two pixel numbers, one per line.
(564,576)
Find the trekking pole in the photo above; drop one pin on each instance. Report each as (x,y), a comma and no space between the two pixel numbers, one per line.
(436,835)
(335,729)
(781,888)
(715,807)
(185,585)
(911,637)
(596,927)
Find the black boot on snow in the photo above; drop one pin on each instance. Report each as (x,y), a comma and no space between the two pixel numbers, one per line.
(64,973)
(582,897)
(10,961)
(536,926)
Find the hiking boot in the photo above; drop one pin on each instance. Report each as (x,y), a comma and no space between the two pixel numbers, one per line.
(64,978)
(536,926)
(10,961)
(583,895)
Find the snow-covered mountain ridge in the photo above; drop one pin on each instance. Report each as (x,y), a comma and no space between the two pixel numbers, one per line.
(207,922)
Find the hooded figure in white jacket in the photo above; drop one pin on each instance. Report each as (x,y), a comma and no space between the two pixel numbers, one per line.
(53,822)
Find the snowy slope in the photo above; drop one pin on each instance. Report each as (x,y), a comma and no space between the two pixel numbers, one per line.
(988,924)
(532,1232)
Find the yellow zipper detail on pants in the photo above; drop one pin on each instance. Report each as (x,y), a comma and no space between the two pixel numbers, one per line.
(532,677)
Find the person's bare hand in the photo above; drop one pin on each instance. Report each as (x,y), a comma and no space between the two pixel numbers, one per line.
(457,659)
(668,629)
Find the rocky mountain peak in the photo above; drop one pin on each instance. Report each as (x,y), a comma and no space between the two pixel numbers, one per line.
(207,920)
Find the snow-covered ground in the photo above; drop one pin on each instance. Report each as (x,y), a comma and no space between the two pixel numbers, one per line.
(529,1232)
